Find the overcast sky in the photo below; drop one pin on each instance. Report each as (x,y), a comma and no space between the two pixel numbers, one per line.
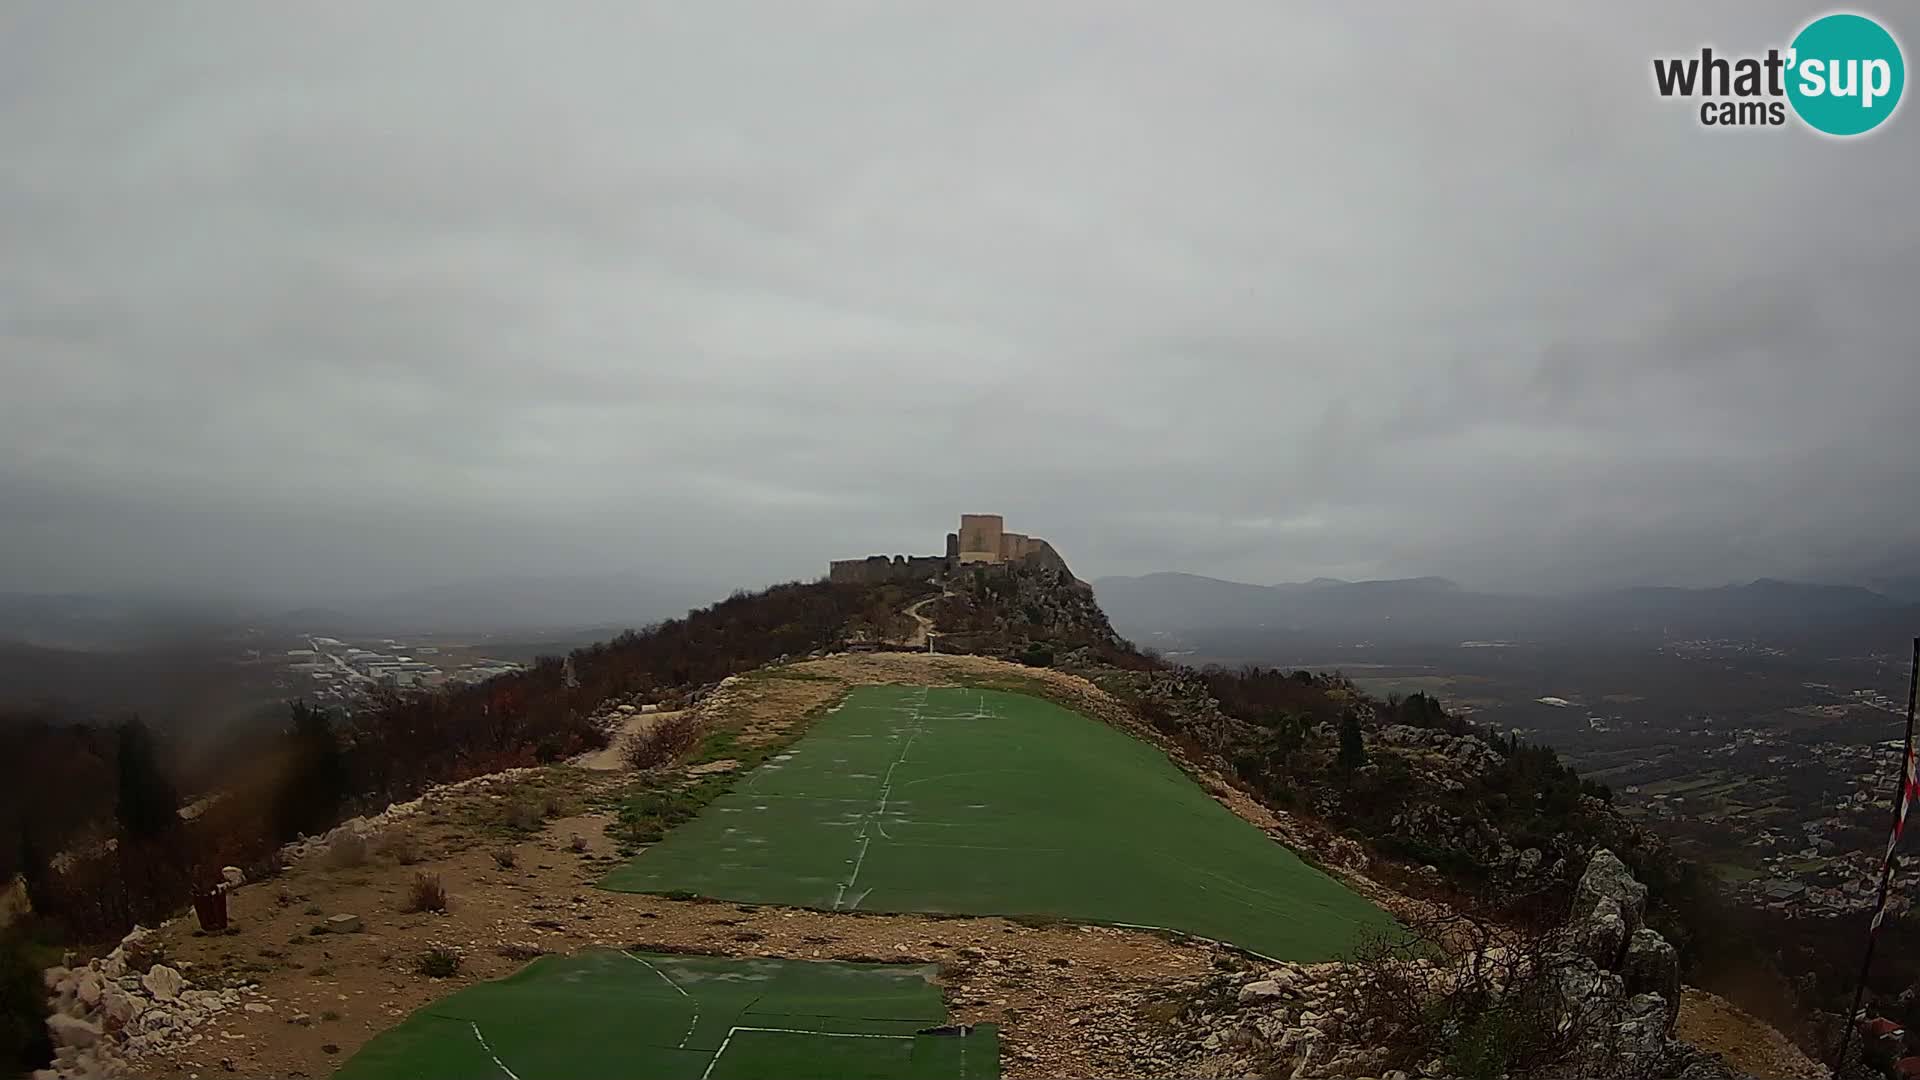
(327,298)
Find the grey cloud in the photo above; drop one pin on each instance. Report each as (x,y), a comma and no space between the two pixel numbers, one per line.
(389,295)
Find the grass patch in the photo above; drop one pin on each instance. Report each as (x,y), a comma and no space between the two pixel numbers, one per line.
(524,816)
(525,808)
(653,805)
(788,674)
(647,814)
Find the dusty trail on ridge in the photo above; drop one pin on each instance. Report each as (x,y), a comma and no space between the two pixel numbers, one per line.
(614,758)
(924,623)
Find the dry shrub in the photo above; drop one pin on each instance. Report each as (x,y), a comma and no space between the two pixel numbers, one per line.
(504,858)
(525,815)
(347,852)
(401,846)
(1492,1010)
(438,962)
(663,742)
(426,894)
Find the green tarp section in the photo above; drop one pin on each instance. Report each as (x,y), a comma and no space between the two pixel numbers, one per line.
(673,1017)
(975,802)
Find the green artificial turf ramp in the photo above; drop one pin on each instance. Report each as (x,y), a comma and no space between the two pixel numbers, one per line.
(983,803)
(615,1014)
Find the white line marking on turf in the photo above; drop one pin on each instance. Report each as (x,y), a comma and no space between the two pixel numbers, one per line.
(489,1050)
(841,894)
(1195,937)
(731,1032)
(878,817)
(695,1022)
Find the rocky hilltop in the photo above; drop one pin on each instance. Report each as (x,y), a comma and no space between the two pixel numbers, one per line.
(1546,936)
(1604,983)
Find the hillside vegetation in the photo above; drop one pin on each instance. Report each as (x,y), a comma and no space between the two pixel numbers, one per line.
(1400,788)
(1425,800)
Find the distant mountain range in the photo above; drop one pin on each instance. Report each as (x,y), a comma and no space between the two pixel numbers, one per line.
(1435,609)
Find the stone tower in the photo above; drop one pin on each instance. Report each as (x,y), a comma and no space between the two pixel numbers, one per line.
(980,537)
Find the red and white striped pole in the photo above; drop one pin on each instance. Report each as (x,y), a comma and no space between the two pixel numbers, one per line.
(1903,800)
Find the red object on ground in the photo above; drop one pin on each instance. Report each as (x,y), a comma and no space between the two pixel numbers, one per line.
(1880,1027)
(211,907)
(1907,1068)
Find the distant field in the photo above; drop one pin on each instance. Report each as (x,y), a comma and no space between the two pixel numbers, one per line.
(615,1014)
(984,803)
(1382,686)
(1690,786)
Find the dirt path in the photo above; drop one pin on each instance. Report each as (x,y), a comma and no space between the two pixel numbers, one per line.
(1714,1024)
(924,623)
(613,758)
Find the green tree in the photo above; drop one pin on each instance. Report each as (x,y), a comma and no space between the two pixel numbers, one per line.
(24,1044)
(148,805)
(1353,751)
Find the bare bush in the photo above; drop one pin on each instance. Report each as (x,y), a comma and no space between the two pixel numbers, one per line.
(504,858)
(438,962)
(1495,1008)
(662,743)
(347,852)
(525,815)
(401,846)
(426,894)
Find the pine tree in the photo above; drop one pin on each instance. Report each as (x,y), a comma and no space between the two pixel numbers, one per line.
(1353,751)
(148,806)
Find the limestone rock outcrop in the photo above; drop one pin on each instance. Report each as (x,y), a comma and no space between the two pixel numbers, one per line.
(104,1017)
(1612,986)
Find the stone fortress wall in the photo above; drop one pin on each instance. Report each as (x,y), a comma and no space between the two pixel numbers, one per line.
(875,569)
(982,538)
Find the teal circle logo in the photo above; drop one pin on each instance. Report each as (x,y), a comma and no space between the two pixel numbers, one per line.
(1845,74)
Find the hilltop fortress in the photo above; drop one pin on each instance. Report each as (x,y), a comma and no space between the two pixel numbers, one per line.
(982,538)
